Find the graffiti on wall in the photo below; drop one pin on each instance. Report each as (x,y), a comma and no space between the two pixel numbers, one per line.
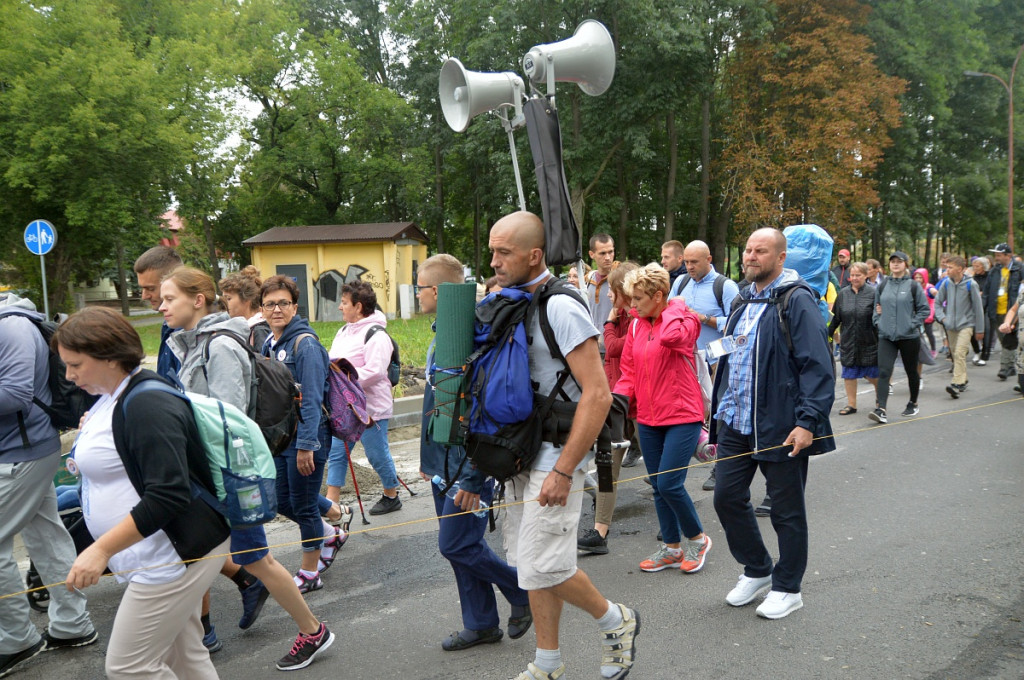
(328,289)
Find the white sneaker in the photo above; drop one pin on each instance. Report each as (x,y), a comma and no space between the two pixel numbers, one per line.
(747,589)
(778,604)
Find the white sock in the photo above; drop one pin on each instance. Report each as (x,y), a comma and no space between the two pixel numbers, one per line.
(548,660)
(307,574)
(612,618)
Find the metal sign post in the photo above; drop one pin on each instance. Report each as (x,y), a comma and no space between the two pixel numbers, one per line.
(40,238)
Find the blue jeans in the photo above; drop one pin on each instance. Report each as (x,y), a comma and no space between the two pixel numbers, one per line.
(298,496)
(785,484)
(375,445)
(670,447)
(477,568)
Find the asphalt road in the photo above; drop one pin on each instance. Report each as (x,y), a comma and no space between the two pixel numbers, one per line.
(915,572)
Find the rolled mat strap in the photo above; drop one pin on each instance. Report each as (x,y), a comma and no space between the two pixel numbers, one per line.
(456,307)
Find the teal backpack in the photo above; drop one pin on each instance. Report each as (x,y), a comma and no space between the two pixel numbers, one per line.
(240,461)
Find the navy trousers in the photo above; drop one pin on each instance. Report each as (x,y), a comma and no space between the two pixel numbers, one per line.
(477,568)
(785,482)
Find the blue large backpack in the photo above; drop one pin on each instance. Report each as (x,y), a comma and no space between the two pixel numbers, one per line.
(502,424)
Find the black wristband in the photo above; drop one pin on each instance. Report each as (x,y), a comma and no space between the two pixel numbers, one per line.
(559,472)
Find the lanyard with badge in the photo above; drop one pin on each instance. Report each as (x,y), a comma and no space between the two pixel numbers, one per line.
(741,334)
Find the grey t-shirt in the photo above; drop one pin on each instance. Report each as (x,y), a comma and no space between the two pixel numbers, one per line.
(572,326)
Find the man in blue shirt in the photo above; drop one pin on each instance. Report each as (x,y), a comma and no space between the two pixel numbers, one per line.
(771,402)
(151,268)
(710,295)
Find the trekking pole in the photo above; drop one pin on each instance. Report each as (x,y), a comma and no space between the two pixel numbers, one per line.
(411,492)
(355,482)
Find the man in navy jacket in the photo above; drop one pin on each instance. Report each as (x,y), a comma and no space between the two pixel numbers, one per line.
(772,398)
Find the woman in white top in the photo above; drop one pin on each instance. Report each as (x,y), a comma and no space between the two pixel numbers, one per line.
(217,365)
(137,501)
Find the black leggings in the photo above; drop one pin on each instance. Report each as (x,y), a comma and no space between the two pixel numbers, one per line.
(908,350)
(930,334)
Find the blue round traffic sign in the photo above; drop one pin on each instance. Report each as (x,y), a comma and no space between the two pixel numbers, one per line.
(40,237)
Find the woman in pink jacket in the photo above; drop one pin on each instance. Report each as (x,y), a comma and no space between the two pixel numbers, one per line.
(658,370)
(370,354)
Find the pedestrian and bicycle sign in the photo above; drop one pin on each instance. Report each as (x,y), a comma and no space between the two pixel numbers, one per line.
(40,238)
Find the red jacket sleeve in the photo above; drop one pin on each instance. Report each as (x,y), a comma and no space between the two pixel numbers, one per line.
(679,327)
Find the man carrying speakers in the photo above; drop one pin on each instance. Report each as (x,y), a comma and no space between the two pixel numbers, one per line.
(545,503)
(461,535)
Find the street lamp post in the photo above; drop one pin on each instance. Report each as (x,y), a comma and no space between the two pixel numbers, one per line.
(1008,86)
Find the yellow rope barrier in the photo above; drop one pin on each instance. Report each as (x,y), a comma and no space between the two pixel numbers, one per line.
(411,522)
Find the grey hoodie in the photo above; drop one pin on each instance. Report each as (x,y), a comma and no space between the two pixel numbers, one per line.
(228,374)
(24,374)
(903,308)
(958,305)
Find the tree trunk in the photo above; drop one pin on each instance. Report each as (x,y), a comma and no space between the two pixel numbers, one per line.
(477,271)
(211,251)
(439,199)
(721,231)
(705,167)
(622,242)
(670,185)
(122,279)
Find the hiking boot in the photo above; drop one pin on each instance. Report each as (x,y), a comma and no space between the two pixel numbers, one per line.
(308,585)
(765,509)
(694,555)
(9,661)
(253,599)
(464,639)
(778,604)
(910,410)
(1002,375)
(305,649)
(709,483)
(663,559)
(618,646)
(953,391)
(211,642)
(333,545)
(386,505)
(878,415)
(67,643)
(592,542)
(632,458)
(747,589)
(519,623)
(534,673)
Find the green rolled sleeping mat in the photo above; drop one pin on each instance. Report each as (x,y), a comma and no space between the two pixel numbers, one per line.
(456,313)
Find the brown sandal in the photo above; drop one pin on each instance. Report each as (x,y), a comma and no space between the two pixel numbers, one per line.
(847,410)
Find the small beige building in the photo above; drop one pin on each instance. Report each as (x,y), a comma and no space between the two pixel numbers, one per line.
(323,258)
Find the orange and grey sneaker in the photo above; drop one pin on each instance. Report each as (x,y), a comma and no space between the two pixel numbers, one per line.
(694,554)
(663,559)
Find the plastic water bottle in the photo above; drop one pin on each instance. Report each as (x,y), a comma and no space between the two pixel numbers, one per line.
(454,489)
(250,499)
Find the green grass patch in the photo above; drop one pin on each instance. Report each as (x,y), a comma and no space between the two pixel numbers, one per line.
(150,338)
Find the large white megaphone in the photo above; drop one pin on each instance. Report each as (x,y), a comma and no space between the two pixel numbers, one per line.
(465,94)
(587,59)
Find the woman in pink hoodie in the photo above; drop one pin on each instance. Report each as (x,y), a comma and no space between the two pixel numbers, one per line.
(370,355)
(921,276)
(658,367)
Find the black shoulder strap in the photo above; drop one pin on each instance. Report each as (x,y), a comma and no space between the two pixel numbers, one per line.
(685,283)
(719,288)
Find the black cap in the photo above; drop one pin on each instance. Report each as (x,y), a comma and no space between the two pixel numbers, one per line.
(899,255)
(1001,248)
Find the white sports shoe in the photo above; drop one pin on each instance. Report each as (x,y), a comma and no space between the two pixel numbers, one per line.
(778,604)
(747,589)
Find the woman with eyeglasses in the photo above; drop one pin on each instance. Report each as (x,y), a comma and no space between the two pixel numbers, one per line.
(300,467)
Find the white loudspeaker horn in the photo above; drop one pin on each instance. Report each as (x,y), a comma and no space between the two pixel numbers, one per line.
(465,94)
(587,59)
